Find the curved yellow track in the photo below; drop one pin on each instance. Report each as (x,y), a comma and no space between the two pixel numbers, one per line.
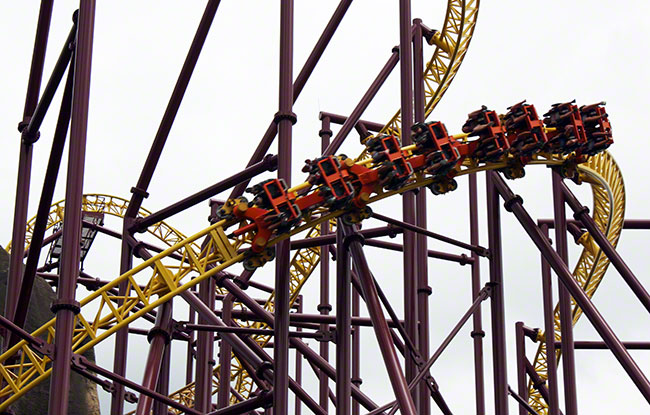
(167,280)
(608,191)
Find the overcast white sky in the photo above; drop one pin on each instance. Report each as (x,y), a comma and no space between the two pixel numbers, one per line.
(541,51)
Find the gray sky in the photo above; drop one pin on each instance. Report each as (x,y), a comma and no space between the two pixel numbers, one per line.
(544,52)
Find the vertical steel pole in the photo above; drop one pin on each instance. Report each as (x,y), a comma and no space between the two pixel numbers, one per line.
(205,351)
(382,332)
(324,307)
(408,199)
(522,386)
(566,314)
(285,119)
(159,337)
(161,408)
(25,160)
(514,204)
(298,402)
(422,266)
(122,335)
(189,365)
(477,318)
(65,307)
(343,324)
(356,351)
(497,303)
(549,335)
(225,357)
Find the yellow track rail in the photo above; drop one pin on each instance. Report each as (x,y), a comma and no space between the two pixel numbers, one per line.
(608,191)
(102,313)
(452,42)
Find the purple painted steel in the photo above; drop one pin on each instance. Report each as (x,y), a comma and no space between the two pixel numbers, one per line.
(462,259)
(30,133)
(594,345)
(422,262)
(298,85)
(380,326)
(140,189)
(343,323)
(581,213)
(363,104)
(204,351)
(307,352)
(522,384)
(225,357)
(424,232)
(161,408)
(523,403)
(260,401)
(497,308)
(189,366)
(549,334)
(324,307)
(637,224)
(356,351)
(483,295)
(340,119)
(285,118)
(477,319)
(268,163)
(40,225)
(566,314)
(408,198)
(65,307)
(329,239)
(298,367)
(514,204)
(25,160)
(247,350)
(82,365)
(159,337)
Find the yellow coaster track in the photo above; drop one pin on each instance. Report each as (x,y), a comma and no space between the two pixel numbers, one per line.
(162,279)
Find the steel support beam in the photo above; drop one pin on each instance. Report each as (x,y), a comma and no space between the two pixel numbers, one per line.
(514,204)
(66,307)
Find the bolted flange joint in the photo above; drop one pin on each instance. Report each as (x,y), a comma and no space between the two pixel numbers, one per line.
(140,192)
(355,237)
(325,132)
(511,201)
(266,365)
(159,331)
(61,304)
(281,116)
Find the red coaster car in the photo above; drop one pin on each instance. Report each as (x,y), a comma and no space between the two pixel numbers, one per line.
(524,130)
(439,147)
(597,128)
(326,173)
(393,168)
(569,134)
(491,144)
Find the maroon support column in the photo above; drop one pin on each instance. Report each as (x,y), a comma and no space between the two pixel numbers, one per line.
(324,307)
(408,199)
(422,266)
(25,160)
(549,335)
(159,337)
(497,304)
(522,385)
(343,324)
(477,320)
(225,358)
(356,351)
(566,314)
(204,352)
(65,307)
(285,119)
(514,204)
(393,367)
